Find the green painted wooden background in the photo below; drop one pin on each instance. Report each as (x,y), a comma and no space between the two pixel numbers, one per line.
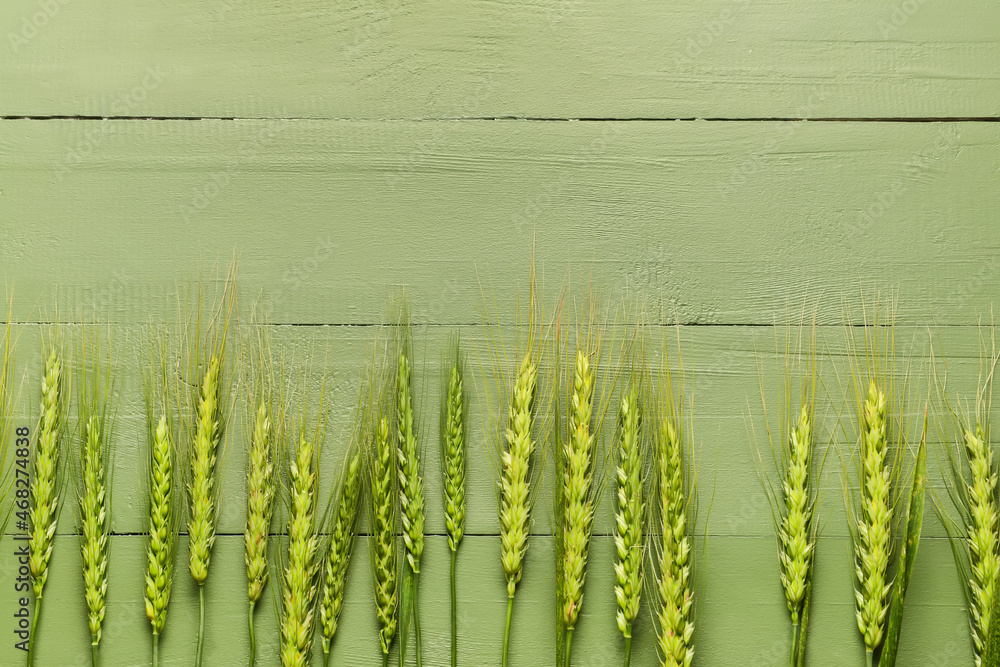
(719,161)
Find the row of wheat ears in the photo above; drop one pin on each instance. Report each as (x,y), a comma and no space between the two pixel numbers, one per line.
(396,491)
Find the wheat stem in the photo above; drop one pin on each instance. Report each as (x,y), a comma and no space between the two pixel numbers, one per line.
(569,646)
(34,631)
(454,615)
(253,639)
(506,630)
(201,622)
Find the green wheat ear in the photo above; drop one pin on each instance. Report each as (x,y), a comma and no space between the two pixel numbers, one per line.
(299,592)
(262,487)
(675,598)
(454,453)
(515,483)
(45,486)
(873,548)
(161,540)
(94,493)
(203,485)
(630,514)
(341,547)
(382,540)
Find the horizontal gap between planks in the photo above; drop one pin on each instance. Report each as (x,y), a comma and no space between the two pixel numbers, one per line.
(650,325)
(940,119)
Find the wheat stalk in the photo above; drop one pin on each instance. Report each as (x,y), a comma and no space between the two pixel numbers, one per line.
(630,514)
(981,535)
(383,536)
(674,610)
(578,502)
(796,535)
(261,491)
(411,495)
(161,542)
(299,594)
(515,483)
(203,485)
(874,523)
(454,454)
(45,483)
(339,554)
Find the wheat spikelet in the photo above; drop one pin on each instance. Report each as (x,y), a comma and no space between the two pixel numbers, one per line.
(981,535)
(203,485)
(796,537)
(874,522)
(44,491)
(411,496)
(630,513)
(95,526)
(515,492)
(453,454)
(454,450)
(299,594)
(578,476)
(341,547)
(261,490)
(674,610)
(161,541)
(383,536)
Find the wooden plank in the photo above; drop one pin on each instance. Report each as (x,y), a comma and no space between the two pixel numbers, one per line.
(711,223)
(539,58)
(741,610)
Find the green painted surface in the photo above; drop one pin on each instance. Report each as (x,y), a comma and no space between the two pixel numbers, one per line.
(348,178)
(532,58)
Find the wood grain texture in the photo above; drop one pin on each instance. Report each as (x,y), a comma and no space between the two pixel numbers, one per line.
(710,223)
(536,58)
(350,152)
